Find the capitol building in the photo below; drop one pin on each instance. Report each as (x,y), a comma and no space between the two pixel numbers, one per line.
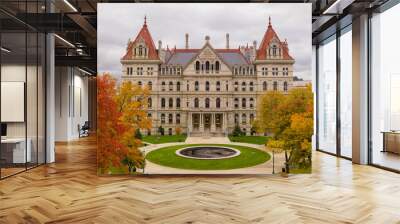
(207,91)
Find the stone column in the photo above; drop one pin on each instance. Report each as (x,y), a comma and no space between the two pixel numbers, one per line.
(201,122)
(189,123)
(213,122)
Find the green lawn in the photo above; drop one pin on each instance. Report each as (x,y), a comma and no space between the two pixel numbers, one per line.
(258,140)
(248,157)
(158,139)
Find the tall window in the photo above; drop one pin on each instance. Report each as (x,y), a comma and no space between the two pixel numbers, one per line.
(171,86)
(217,66)
(251,102)
(207,66)
(170,102)
(218,103)
(162,102)
(327,97)
(243,86)
(178,119)
(243,102)
(196,102)
(244,119)
(236,102)
(163,86)
(197,67)
(218,86)
(150,85)
(285,86)
(264,85)
(251,86)
(275,85)
(178,86)
(207,103)
(236,119)
(346,94)
(162,118)
(207,86)
(149,102)
(236,86)
(385,88)
(178,102)
(170,118)
(196,86)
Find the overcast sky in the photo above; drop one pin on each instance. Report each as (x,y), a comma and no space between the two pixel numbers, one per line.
(246,22)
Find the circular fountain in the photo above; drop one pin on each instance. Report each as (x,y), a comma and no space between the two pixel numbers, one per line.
(207,152)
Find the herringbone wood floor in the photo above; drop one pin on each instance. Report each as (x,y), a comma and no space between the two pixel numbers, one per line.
(70,192)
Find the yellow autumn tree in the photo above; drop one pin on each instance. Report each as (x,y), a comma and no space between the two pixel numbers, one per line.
(289,119)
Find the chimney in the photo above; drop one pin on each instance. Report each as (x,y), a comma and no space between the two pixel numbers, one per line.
(207,39)
(187,41)
(159,45)
(227,41)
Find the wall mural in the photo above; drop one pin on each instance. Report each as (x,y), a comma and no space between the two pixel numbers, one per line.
(204,88)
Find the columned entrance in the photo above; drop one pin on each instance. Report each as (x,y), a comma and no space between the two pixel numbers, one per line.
(206,124)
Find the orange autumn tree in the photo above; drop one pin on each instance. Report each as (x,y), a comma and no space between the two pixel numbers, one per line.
(121,110)
(132,103)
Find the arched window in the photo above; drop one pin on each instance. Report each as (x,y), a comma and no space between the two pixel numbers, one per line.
(170,102)
(244,118)
(162,102)
(170,118)
(218,86)
(149,103)
(243,86)
(251,102)
(265,86)
(196,102)
(207,66)
(217,66)
(162,118)
(207,103)
(163,86)
(275,85)
(150,85)
(274,50)
(244,103)
(178,119)
(197,67)
(140,50)
(251,86)
(217,103)
(178,86)
(236,102)
(196,86)
(236,86)
(171,86)
(251,118)
(207,86)
(178,102)
(285,86)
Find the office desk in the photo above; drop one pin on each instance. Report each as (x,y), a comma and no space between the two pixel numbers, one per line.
(391,141)
(13,150)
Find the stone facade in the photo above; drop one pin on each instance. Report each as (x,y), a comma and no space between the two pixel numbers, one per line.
(207,91)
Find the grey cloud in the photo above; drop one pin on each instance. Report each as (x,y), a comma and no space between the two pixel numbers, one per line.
(170,22)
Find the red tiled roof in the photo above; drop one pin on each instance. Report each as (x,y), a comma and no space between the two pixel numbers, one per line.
(146,36)
(268,36)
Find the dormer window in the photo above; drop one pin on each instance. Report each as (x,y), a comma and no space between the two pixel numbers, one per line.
(274,50)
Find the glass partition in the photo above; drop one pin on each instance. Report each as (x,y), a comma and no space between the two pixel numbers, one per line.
(22,67)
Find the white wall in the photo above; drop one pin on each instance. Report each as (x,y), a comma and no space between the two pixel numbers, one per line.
(71,102)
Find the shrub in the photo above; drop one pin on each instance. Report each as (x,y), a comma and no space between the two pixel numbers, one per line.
(237,131)
(161,130)
(138,134)
(178,130)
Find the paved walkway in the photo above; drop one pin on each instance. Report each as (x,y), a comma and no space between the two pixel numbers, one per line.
(265,168)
